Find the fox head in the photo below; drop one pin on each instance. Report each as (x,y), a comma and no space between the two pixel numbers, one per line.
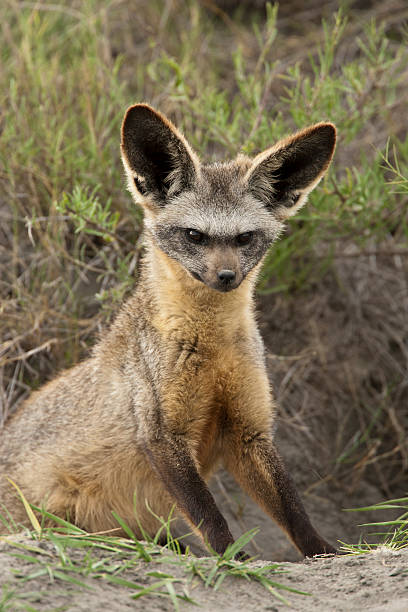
(218,220)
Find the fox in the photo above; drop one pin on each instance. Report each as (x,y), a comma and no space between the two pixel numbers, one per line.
(177,386)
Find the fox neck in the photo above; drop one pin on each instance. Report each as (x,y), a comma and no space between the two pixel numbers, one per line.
(173,289)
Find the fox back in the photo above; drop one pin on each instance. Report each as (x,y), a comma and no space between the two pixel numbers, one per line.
(178,385)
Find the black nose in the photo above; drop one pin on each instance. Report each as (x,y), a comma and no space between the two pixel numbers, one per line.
(226,276)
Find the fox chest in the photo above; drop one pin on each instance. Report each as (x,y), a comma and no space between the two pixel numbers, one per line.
(208,388)
(210,371)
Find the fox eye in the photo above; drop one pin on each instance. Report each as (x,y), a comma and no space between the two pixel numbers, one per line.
(244,239)
(195,236)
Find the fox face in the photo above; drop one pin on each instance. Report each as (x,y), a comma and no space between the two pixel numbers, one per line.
(217,221)
(217,231)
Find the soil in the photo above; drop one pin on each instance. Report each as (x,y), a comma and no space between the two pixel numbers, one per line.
(375,581)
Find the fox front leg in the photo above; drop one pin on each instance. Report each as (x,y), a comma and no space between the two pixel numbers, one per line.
(174,464)
(255,463)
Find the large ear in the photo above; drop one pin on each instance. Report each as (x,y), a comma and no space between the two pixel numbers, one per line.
(283,176)
(158,160)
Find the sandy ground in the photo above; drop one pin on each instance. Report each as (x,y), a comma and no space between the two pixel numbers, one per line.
(375,581)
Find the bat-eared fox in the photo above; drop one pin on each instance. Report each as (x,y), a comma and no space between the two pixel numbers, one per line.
(177,386)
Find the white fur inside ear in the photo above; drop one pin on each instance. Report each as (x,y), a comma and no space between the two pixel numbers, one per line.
(132,180)
(285,212)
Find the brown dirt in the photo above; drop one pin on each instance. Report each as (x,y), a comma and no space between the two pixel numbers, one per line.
(375,582)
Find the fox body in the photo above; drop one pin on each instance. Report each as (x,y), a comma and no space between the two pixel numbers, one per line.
(178,385)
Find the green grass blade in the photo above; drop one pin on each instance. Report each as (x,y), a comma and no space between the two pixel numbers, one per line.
(58,520)
(140,548)
(33,519)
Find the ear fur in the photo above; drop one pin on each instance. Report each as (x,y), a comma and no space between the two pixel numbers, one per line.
(158,160)
(283,176)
